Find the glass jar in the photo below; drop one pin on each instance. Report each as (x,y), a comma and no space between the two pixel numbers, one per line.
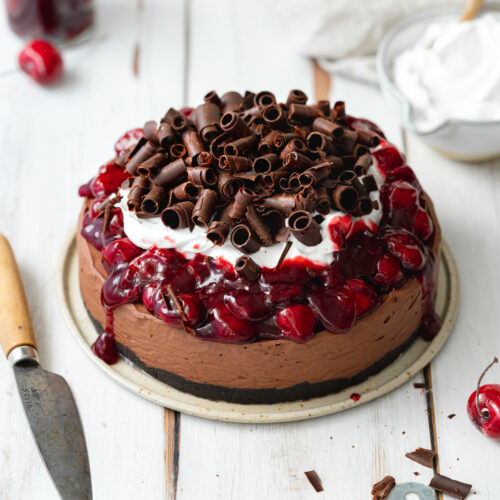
(59,20)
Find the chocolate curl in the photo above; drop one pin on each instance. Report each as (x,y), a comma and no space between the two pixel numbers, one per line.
(365,205)
(318,142)
(179,123)
(323,201)
(178,151)
(172,174)
(204,208)
(369,182)
(243,198)
(186,191)
(368,139)
(285,203)
(134,149)
(145,152)
(345,199)
(282,139)
(205,159)
(108,209)
(169,115)
(315,175)
(252,115)
(294,182)
(152,164)
(264,98)
(264,164)
(248,100)
(202,176)
(233,164)
(231,101)
(324,106)
(296,96)
(360,150)
(166,135)
(248,177)
(347,176)
(261,130)
(217,145)
(295,144)
(266,144)
(177,303)
(244,240)
(306,200)
(338,111)
(139,188)
(258,225)
(284,183)
(364,162)
(298,113)
(121,158)
(276,223)
(193,143)
(151,132)
(155,201)
(234,125)
(329,128)
(305,228)
(240,147)
(349,161)
(246,267)
(273,115)
(206,118)
(273,179)
(178,216)
(228,185)
(283,255)
(348,141)
(217,232)
(213,98)
(297,161)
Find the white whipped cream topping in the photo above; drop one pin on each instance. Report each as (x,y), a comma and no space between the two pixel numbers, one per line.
(453,72)
(149,232)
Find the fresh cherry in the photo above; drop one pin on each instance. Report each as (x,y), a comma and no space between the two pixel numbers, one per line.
(105,348)
(41,61)
(296,321)
(483,406)
(129,139)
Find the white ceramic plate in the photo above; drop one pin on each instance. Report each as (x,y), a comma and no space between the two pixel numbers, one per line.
(405,367)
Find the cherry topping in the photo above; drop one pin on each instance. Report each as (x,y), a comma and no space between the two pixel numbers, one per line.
(119,251)
(105,348)
(108,181)
(227,326)
(193,308)
(296,321)
(388,157)
(186,111)
(405,247)
(389,271)
(247,305)
(335,307)
(483,406)
(41,61)
(128,140)
(423,225)
(365,296)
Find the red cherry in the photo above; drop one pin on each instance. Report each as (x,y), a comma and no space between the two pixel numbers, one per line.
(483,406)
(120,251)
(405,247)
(41,61)
(108,181)
(105,348)
(423,225)
(388,270)
(402,195)
(366,297)
(335,307)
(296,321)
(129,139)
(388,157)
(85,190)
(247,305)
(339,228)
(193,308)
(228,327)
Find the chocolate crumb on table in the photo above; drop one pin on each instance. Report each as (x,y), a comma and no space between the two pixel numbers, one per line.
(451,415)
(382,489)
(314,479)
(422,456)
(419,385)
(450,486)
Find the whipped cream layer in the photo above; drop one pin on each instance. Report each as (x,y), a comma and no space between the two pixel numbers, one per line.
(148,232)
(452,72)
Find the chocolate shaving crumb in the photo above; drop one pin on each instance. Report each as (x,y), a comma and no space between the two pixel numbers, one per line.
(283,255)
(135,64)
(105,223)
(416,473)
(419,385)
(382,489)
(176,302)
(450,486)
(422,456)
(315,480)
(452,415)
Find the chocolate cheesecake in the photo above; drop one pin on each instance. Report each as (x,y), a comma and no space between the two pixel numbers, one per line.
(257,252)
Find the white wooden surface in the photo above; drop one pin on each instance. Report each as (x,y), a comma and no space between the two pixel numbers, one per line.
(51,140)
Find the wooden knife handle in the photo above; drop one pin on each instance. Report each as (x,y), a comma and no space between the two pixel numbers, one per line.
(15,320)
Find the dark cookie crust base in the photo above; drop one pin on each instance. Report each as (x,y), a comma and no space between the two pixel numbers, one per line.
(301,391)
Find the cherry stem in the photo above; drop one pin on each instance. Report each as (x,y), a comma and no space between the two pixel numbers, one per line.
(486,414)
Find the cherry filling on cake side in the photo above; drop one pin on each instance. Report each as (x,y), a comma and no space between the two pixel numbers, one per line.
(285,190)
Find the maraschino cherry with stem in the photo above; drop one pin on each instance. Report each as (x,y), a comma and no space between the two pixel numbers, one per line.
(483,406)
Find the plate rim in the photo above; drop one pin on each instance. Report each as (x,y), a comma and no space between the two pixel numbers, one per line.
(261,413)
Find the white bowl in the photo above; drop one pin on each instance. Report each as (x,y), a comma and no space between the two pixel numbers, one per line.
(466,140)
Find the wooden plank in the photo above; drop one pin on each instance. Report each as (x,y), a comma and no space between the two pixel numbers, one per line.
(349,450)
(467,203)
(53,139)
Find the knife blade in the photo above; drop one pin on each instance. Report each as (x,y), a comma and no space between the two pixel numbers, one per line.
(49,405)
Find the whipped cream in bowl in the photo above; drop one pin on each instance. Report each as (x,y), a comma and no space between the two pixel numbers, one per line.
(443,76)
